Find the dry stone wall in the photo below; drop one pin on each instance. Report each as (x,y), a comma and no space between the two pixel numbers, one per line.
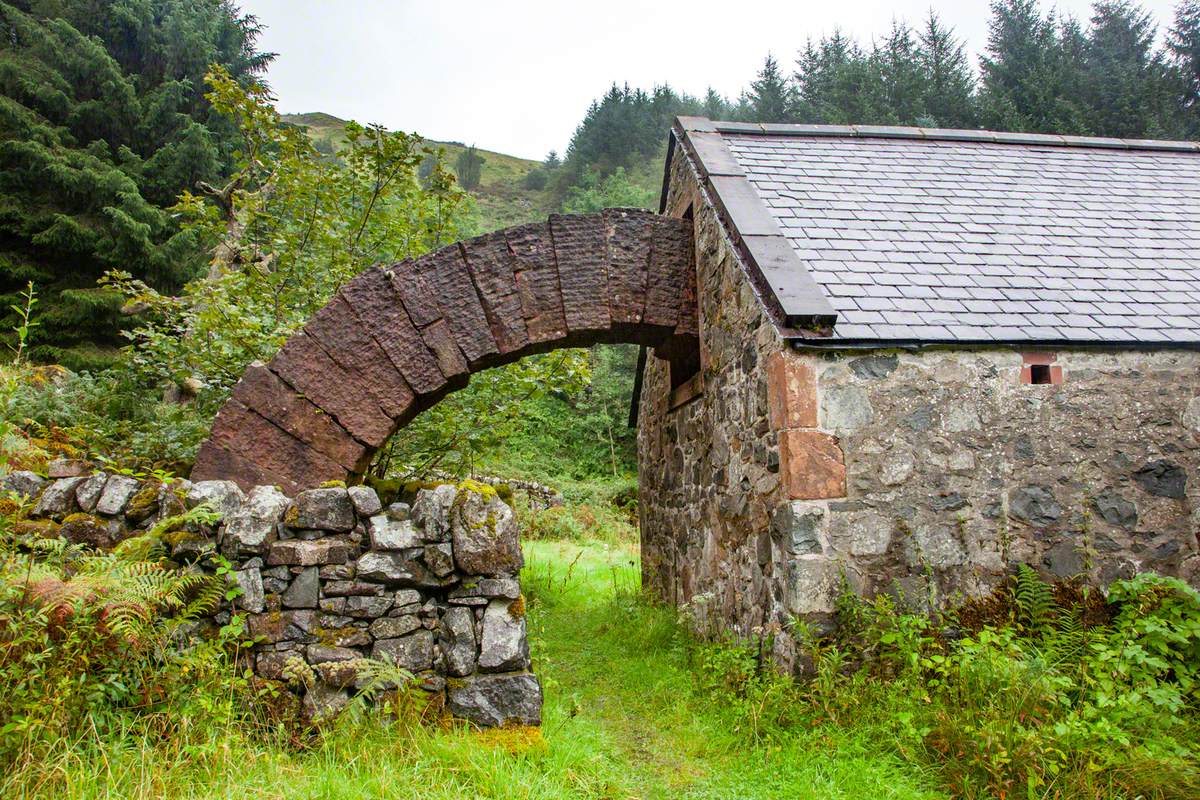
(330,578)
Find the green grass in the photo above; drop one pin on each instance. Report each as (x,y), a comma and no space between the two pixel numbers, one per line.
(624,718)
(501,200)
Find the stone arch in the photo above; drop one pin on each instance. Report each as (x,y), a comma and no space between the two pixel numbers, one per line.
(397,339)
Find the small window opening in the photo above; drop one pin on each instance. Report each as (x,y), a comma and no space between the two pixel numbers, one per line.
(1039,373)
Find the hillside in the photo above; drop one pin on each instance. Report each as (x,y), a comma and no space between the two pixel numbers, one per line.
(501,198)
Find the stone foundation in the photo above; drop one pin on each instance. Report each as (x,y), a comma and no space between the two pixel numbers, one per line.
(331,578)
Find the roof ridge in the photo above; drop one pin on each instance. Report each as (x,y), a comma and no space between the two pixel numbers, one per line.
(702,124)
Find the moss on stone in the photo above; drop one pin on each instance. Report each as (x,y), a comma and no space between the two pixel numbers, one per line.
(333,485)
(39,528)
(516,608)
(292,516)
(144,503)
(485,490)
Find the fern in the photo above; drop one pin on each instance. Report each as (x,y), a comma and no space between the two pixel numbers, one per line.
(1036,608)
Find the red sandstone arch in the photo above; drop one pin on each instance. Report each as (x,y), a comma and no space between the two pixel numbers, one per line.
(397,339)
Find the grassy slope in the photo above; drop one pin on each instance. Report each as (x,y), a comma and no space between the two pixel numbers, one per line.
(501,199)
(623,719)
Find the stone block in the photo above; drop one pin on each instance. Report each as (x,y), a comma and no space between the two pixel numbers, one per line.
(497,700)
(58,499)
(23,483)
(304,590)
(365,500)
(392,534)
(87,494)
(503,646)
(811,465)
(252,598)
(431,512)
(798,527)
(327,509)
(457,639)
(301,553)
(394,627)
(791,392)
(223,497)
(413,652)
(251,527)
(397,567)
(484,533)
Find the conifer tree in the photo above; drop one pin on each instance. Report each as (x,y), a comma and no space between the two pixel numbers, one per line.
(769,98)
(1183,47)
(949,89)
(103,122)
(1125,83)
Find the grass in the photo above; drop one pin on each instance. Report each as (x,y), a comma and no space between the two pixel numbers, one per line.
(624,718)
(501,199)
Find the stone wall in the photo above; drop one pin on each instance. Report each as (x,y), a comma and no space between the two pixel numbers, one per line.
(709,468)
(955,470)
(928,474)
(331,578)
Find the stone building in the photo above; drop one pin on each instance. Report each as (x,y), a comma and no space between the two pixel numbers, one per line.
(923,356)
(905,359)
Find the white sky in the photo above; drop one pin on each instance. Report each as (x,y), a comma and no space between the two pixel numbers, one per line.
(517,76)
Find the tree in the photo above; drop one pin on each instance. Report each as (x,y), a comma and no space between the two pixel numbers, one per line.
(901,76)
(836,83)
(1125,81)
(1183,46)
(770,97)
(949,85)
(105,122)
(1030,80)
(469,168)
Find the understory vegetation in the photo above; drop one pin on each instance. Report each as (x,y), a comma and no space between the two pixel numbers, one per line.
(1037,691)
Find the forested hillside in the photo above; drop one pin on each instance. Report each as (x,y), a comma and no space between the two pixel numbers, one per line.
(103,123)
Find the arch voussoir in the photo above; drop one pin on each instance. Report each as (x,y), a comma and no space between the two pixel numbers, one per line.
(397,339)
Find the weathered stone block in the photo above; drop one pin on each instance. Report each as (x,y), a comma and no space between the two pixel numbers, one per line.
(440,559)
(301,553)
(457,638)
(304,591)
(791,392)
(23,483)
(497,700)
(484,533)
(251,527)
(431,511)
(327,509)
(392,534)
(798,527)
(87,494)
(413,652)
(252,598)
(503,645)
(811,465)
(394,627)
(397,567)
(365,500)
(223,497)
(58,499)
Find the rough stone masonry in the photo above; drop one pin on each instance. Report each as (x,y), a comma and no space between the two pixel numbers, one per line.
(331,578)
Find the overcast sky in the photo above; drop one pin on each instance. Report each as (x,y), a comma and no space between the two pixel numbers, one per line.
(517,76)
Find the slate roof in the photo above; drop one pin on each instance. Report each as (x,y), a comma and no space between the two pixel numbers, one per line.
(972,237)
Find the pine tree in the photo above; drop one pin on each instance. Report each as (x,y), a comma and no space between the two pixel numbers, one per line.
(769,97)
(900,77)
(1183,47)
(837,83)
(1125,84)
(469,168)
(949,91)
(103,121)
(1027,73)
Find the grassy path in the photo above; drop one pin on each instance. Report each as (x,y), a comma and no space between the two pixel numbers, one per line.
(623,719)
